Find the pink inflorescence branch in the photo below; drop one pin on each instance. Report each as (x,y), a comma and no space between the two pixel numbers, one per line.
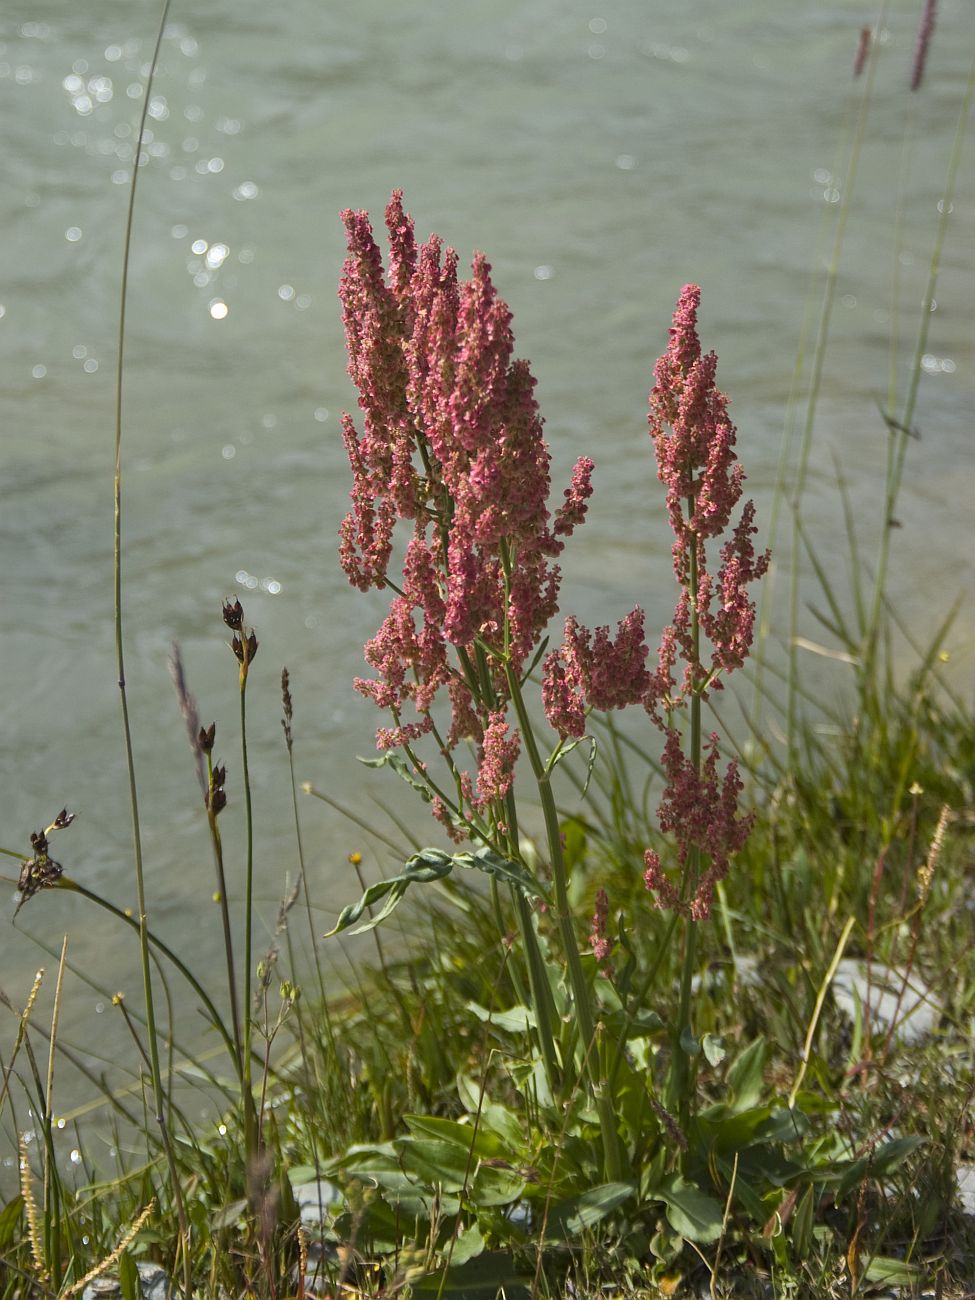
(714,619)
(451,443)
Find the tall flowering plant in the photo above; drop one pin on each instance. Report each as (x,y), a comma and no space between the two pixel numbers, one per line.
(451,448)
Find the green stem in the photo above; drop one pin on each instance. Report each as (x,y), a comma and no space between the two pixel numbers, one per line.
(228,941)
(815,387)
(896,474)
(247,1097)
(681,1082)
(157,1086)
(563,916)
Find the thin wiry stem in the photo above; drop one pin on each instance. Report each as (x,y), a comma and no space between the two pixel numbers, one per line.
(903,431)
(815,387)
(157,1085)
(250,1120)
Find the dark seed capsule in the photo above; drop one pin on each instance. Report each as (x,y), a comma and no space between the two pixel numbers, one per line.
(233,615)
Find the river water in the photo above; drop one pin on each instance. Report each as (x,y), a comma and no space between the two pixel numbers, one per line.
(602,153)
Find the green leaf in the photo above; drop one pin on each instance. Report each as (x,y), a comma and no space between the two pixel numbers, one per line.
(746,1078)
(802,1225)
(468,1245)
(422,867)
(402,770)
(513,873)
(464,1136)
(298,1175)
(691,1213)
(494,1118)
(582,1212)
(892,1272)
(480,1279)
(516,1020)
(434,1163)
(10,1220)
(713,1048)
(228,1215)
(634,1024)
(877,1164)
(128,1278)
(496,1185)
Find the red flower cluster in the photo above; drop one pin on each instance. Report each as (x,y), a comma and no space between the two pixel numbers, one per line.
(697,464)
(452,443)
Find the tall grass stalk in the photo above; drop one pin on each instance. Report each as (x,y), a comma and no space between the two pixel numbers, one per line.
(247,1099)
(153,1043)
(815,385)
(901,431)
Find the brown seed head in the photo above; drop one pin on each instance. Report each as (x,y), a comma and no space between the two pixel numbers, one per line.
(233,615)
(216,800)
(206,738)
(288,708)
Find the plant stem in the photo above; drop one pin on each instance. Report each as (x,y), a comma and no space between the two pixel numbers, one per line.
(157,1086)
(896,473)
(563,915)
(681,1082)
(815,387)
(247,1097)
(228,941)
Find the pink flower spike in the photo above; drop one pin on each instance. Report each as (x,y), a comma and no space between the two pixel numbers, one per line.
(402,246)
(498,757)
(561,699)
(665,895)
(573,512)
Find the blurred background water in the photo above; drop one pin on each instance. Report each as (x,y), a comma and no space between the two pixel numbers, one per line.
(602,153)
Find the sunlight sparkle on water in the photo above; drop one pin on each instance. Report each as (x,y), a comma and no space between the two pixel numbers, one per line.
(216,255)
(219,309)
